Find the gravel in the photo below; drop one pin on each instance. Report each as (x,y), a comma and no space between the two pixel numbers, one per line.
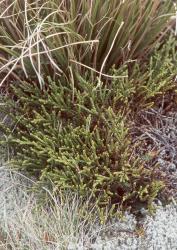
(158,133)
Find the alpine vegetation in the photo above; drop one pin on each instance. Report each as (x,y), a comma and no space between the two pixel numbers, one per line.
(76,75)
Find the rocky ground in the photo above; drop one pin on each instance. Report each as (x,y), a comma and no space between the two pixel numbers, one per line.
(158,232)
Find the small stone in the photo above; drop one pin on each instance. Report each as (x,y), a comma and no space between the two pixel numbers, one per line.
(143,211)
(172,167)
(161,162)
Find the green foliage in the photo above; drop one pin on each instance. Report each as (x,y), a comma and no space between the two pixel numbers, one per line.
(63,37)
(72,128)
(77,139)
(150,79)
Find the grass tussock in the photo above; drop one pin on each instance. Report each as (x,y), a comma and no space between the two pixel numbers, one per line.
(65,223)
(39,38)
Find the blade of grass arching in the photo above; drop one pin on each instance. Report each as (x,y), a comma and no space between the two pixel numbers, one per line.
(32,37)
(102,74)
(8,70)
(116,22)
(136,16)
(19,30)
(103,25)
(50,45)
(6,7)
(150,40)
(60,56)
(51,59)
(48,57)
(103,45)
(123,38)
(34,62)
(110,49)
(22,25)
(84,27)
(82,18)
(5,36)
(41,80)
(98,21)
(142,26)
(68,45)
(92,21)
(15,20)
(99,34)
(94,11)
(11,29)
(25,51)
(9,51)
(74,14)
(149,22)
(13,63)
(158,39)
(159,22)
